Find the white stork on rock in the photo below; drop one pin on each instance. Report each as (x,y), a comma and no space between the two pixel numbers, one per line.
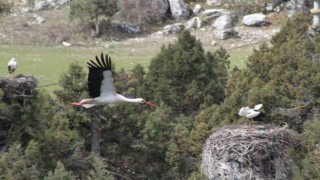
(12,65)
(250,112)
(101,88)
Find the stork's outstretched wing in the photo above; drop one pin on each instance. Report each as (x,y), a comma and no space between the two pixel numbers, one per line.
(100,80)
(257,107)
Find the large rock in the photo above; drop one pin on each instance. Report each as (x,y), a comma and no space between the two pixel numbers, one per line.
(173,28)
(215,12)
(212,2)
(197,9)
(42,5)
(257,19)
(223,22)
(162,6)
(295,6)
(62,2)
(129,28)
(224,27)
(194,22)
(179,9)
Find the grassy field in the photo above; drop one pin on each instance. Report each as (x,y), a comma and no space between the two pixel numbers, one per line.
(48,63)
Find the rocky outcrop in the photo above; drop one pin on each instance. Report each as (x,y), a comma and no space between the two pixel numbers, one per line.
(129,28)
(194,22)
(257,19)
(179,9)
(197,9)
(223,27)
(215,12)
(173,28)
(162,6)
(42,5)
(294,6)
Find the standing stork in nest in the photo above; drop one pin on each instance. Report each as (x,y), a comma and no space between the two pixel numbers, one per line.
(251,112)
(12,65)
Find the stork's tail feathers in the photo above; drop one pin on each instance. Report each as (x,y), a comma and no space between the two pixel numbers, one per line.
(84,102)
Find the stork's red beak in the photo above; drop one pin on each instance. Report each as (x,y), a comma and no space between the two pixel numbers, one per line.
(149,104)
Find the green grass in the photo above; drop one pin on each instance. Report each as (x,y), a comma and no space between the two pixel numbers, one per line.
(239,56)
(48,63)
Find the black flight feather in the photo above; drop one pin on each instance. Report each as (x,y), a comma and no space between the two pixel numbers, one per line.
(102,59)
(104,62)
(95,76)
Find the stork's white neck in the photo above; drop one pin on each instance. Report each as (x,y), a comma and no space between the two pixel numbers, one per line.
(124,99)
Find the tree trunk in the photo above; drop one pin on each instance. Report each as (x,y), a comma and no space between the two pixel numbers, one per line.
(95,137)
(97,27)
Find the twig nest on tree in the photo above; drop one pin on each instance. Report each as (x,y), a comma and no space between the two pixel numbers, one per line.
(18,86)
(234,152)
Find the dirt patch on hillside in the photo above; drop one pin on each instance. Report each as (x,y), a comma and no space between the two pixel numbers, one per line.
(23,28)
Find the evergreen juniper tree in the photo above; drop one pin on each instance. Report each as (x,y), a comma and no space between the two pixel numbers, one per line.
(283,75)
(183,76)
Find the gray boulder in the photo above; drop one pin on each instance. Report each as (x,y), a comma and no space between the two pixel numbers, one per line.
(62,2)
(162,6)
(173,28)
(223,22)
(212,2)
(257,19)
(197,9)
(42,5)
(179,9)
(224,27)
(194,22)
(295,6)
(129,28)
(215,12)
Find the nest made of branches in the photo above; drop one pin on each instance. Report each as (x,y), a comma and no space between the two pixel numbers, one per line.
(18,86)
(234,152)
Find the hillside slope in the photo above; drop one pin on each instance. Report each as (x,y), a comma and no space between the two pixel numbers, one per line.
(23,28)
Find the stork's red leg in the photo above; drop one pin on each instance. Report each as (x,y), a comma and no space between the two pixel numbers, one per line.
(76,104)
(81,103)
(250,125)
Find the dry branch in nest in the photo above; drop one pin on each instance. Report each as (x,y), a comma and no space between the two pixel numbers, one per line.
(234,152)
(18,87)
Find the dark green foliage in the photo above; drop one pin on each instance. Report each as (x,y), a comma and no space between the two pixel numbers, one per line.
(283,75)
(28,121)
(44,139)
(99,171)
(306,153)
(59,173)
(74,84)
(92,11)
(18,163)
(183,77)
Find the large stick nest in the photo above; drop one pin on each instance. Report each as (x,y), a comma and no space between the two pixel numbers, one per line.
(18,87)
(234,152)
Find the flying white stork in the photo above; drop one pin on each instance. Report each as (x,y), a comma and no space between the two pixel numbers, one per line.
(250,112)
(12,65)
(101,88)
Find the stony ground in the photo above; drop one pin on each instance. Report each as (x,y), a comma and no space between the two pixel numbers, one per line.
(22,28)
